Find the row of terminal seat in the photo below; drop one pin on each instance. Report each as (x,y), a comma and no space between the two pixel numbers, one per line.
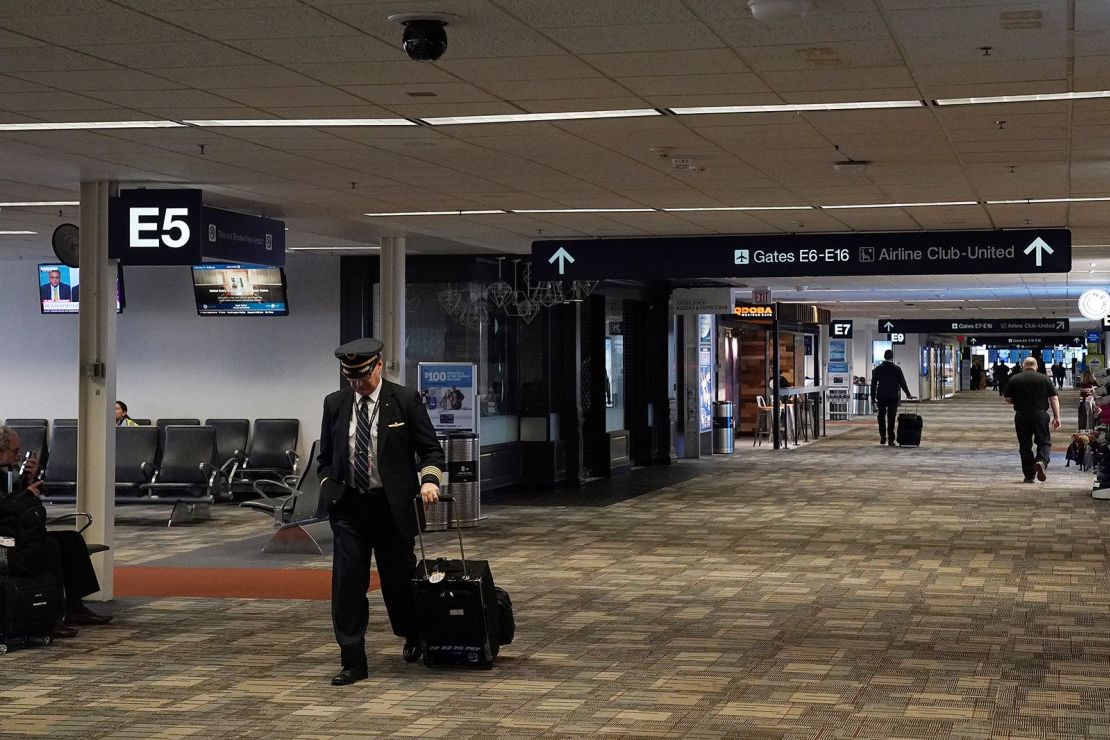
(187,464)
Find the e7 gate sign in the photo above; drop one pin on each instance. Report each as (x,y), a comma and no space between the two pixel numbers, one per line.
(908,253)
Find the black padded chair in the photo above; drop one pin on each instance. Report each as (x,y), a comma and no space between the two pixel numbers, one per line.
(93,547)
(163,423)
(60,474)
(32,439)
(273,451)
(231,447)
(142,422)
(65,422)
(293,508)
(136,448)
(186,476)
(25,422)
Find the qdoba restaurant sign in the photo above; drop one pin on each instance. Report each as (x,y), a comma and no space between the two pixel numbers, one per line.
(746,311)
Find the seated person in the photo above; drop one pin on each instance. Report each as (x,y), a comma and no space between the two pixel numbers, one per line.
(38,550)
(122,419)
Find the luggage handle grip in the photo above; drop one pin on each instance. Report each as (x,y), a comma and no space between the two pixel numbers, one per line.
(450,501)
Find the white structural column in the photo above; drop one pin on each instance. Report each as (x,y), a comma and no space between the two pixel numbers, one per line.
(96,437)
(393,306)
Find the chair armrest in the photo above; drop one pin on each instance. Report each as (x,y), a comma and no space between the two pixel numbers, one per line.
(280,502)
(147,468)
(294,460)
(74,516)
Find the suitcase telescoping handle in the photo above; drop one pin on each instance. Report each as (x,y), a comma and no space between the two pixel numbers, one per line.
(450,501)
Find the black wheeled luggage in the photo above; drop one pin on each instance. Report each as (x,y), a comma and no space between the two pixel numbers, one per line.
(909,429)
(29,609)
(458,608)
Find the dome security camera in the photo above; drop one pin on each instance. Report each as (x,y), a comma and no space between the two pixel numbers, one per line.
(425,35)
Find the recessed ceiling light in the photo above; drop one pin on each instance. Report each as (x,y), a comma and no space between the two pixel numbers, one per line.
(86,125)
(796,107)
(1036,98)
(37,203)
(526,117)
(289,122)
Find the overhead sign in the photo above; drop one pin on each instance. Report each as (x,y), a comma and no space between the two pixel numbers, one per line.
(746,311)
(840,329)
(897,337)
(173,227)
(155,227)
(1026,340)
(978,326)
(240,237)
(792,255)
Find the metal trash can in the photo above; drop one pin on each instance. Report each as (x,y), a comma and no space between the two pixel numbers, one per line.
(462,471)
(861,398)
(435,516)
(724,428)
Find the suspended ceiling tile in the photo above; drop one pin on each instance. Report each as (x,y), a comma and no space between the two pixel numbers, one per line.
(712,61)
(635,37)
(375,73)
(516,68)
(153,56)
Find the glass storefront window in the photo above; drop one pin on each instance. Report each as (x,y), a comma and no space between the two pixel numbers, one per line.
(614,364)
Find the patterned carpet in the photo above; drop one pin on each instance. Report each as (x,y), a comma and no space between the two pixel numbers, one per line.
(840,589)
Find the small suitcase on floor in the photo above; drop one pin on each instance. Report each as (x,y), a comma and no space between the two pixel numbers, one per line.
(909,429)
(29,609)
(458,608)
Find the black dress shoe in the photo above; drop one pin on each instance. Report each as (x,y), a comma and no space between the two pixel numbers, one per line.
(349,676)
(411,652)
(86,617)
(63,631)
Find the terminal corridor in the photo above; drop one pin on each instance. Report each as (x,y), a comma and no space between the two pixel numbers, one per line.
(840,589)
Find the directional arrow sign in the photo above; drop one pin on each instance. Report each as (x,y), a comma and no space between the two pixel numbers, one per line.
(1029,341)
(1041,247)
(564,257)
(973,341)
(978,327)
(809,255)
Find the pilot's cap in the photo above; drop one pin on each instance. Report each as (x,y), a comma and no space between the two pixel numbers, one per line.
(358,358)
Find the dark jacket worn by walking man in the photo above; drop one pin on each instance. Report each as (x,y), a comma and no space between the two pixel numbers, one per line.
(887,384)
(372,435)
(1031,394)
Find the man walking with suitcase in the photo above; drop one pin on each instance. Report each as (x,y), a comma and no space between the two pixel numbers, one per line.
(372,434)
(887,384)
(1031,394)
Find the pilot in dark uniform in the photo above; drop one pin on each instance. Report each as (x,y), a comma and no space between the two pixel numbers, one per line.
(378,453)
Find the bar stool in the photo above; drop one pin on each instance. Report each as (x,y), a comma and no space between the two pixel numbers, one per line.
(804,412)
(762,421)
(787,414)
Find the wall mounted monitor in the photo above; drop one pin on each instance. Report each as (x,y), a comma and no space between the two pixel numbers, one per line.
(60,289)
(223,289)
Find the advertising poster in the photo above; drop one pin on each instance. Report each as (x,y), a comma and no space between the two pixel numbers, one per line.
(838,350)
(705,389)
(1096,364)
(449,393)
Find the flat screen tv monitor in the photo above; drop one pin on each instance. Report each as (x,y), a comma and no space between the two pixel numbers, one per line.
(223,289)
(60,289)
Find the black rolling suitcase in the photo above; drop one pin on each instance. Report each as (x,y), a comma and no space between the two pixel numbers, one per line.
(29,609)
(909,429)
(464,618)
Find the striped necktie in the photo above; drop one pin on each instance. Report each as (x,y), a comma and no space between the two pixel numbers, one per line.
(362,446)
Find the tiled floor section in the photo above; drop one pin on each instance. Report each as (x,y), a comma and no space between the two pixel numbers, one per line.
(837,590)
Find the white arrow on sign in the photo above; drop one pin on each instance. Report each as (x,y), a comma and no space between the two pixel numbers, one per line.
(1060,325)
(564,257)
(888,326)
(1041,246)
(974,340)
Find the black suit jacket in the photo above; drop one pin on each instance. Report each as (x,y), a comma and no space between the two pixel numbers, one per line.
(45,292)
(408,451)
(887,381)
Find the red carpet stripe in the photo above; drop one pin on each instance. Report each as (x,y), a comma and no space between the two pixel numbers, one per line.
(227,583)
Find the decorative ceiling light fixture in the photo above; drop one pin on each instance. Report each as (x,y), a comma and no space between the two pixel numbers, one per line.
(779,11)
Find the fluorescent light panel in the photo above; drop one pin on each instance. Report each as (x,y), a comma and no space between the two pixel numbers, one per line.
(1023,201)
(740,208)
(434,213)
(87,125)
(17,233)
(294,122)
(38,203)
(1036,98)
(526,117)
(796,107)
(584,210)
(329,249)
(903,205)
